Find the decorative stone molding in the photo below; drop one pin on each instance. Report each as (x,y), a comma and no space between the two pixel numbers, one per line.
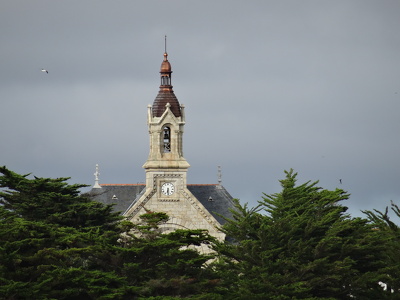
(141,204)
(168,200)
(195,202)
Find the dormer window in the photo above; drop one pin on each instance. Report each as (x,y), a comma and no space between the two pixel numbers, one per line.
(167,139)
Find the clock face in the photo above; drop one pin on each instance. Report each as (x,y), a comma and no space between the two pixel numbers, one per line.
(167,189)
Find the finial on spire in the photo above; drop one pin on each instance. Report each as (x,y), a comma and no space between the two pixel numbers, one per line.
(96,178)
(165,67)
(219,176)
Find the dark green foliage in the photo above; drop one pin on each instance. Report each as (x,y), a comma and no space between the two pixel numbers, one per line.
(59,244)
(165,264)
(56,243)
(300,244)
(52,239)
(390,233)
(53,201)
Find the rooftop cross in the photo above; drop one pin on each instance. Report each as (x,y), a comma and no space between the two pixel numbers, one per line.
(96,178)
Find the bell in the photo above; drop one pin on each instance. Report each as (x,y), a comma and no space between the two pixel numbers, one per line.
(166,135)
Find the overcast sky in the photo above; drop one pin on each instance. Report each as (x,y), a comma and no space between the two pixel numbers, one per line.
(267,85)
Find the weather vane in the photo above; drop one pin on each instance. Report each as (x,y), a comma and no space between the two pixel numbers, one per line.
(165,43)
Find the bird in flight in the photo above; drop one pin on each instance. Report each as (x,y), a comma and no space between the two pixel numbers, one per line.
(340,180)
(44,70)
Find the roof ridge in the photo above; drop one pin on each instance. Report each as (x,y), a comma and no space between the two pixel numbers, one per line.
(200,184)
(130,184)
(137,184)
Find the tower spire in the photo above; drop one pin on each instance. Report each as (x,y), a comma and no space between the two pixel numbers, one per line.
(166,93)
(165,70)
(166,120)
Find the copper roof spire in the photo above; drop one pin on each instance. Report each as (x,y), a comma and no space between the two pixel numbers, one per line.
(165,67)
(166,94)
(165,70)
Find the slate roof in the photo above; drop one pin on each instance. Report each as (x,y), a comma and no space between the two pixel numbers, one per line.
(119,195)
(164,96)
(214,197)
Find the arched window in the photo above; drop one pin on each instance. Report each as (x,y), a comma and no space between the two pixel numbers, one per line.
(167,139)
(165,80)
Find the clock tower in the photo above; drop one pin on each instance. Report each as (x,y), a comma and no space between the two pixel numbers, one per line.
(166,168)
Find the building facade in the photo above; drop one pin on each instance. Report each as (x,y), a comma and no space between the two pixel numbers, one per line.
(189,206)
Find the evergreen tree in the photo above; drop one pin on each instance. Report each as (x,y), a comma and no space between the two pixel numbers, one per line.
(390,232)
(166,264)
(300,244)
(56,243)
(52,239)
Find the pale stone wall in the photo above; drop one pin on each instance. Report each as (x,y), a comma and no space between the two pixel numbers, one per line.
(184,210)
